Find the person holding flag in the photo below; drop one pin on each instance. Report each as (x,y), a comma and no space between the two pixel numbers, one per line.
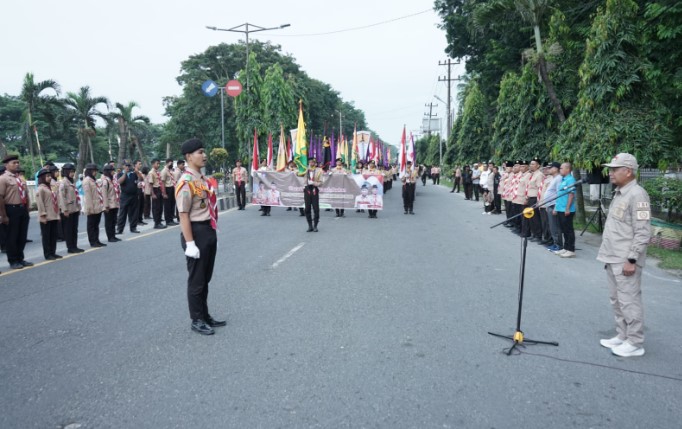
(197,207)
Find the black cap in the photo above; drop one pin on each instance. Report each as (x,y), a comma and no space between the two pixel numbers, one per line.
(9,158)
(523,162)
(68,166)
(509,164)
(91,167)
(43,171)
(538,160)
(191,145)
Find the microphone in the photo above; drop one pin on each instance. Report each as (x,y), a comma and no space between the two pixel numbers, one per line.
(579,182)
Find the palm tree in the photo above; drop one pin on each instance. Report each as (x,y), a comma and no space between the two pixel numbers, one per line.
(126,124)
(32,95)
(83,107)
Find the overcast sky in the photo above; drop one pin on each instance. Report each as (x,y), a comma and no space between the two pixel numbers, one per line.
(131,50)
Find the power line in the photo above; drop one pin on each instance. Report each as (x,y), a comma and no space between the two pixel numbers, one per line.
(354,28)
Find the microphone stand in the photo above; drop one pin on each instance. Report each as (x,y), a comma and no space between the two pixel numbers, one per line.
(518,337)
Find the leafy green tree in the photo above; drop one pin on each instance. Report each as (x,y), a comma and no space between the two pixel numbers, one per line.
(617,111)
(35,99)
(125,120)
(11,124)
(474,136)
(248,106)
(83,108)
(278,100)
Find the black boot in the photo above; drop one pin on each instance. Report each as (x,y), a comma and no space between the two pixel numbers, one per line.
(315,227)
(310,227)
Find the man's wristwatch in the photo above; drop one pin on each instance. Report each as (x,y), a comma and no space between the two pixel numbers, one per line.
(632,261)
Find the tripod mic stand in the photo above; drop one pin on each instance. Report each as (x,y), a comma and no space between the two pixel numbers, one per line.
(518,337)
(599,214)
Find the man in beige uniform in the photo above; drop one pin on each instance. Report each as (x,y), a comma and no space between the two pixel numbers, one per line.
(239,178)
(533,227)
(158,193)
(197,205)
(168,181)
(14,213)
(623,251)
(519,195)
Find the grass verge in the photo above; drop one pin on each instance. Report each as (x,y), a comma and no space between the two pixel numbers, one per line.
(670,259)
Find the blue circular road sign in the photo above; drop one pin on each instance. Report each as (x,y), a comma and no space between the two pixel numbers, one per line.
(209,88)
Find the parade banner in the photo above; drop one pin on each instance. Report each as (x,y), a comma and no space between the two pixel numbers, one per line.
(338,191)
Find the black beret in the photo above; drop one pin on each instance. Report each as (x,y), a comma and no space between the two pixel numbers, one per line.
(43,171)
(536,159)
(91,167)
(9,158)
(509,164)
(523,162)
(68,166)
(191,145)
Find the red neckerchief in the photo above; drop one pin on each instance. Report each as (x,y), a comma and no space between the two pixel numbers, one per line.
(22,190)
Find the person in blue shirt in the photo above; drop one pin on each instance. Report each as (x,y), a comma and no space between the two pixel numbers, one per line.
(565,210)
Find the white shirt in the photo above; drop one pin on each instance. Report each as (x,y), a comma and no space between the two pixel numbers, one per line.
(484,179)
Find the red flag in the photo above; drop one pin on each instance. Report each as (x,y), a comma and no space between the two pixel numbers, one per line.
(256,154)
(402,154)
(270,151)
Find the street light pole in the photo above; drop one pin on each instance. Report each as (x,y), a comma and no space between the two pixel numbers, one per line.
(247,28)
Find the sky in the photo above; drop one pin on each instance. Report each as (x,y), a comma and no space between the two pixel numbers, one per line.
(131,50)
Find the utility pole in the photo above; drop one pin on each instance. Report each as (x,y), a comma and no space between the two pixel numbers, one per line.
(448,79)
(430,115)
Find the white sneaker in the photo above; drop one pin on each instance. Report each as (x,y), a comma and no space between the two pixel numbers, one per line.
(559,252)
(627,350)
(611,342)
(567,254)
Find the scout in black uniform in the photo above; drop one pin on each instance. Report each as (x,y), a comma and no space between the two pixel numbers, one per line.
(197,207)
(311,194)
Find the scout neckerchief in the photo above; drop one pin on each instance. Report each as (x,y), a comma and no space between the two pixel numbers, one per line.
(55,205)
(172,177)
(99,193)
(515,185)
(22,190)
(198,187)
(541,188)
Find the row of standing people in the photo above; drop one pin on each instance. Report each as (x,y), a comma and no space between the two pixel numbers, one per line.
(124,196)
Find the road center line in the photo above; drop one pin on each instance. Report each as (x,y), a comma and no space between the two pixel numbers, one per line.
(288,255)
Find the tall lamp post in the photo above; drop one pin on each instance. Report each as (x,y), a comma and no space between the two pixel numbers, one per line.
(247,28)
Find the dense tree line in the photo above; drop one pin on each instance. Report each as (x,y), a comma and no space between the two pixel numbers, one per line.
(276,84)
(43,123)
(566,79)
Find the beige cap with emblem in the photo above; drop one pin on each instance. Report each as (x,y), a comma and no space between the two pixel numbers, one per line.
(623,160)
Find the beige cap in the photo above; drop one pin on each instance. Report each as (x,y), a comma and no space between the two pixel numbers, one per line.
(623,160)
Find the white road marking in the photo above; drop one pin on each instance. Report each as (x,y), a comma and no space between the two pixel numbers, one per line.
(288,255)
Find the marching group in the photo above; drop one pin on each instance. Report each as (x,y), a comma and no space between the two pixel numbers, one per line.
(130,195)
(548,188)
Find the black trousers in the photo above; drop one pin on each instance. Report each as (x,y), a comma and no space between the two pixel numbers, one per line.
(372,213)
(311,197)
(340,212)
(16,232)
(497,201)
(516,209)
(157,205)
(532,226)
(566,225)
(48,233)
(455,184)
(93,228)
(70,225)
(147,207)
(128,209)
(477,190)
(200,270)
(508,208)
(240,191)
(3,236)
(468,190)
(60,230)
(408,196)
(140,206)
(110,223)
(169,205)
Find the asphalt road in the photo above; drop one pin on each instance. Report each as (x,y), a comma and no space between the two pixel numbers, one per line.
(368,323)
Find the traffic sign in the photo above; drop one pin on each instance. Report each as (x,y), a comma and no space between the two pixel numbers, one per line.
(209,88)
(233,88)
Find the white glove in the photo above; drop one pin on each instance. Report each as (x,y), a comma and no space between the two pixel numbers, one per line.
(192,250)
